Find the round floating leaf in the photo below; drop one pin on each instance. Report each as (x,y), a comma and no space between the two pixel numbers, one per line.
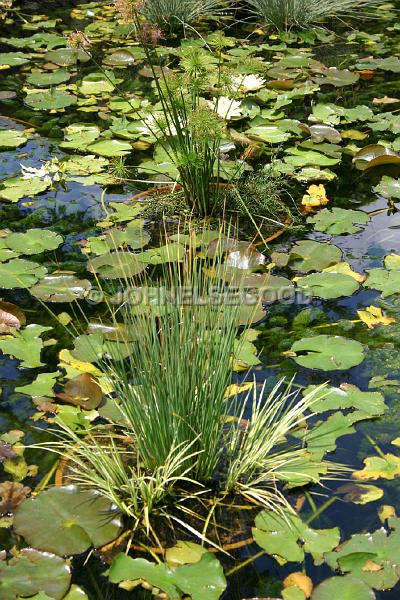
(13,59)
(120,58)
(79,519)
(389,187)
(375,155)
(338,220)
(61,287)
(388,282)
(327,352)
(376,467)
(31,572)
(52,100)
(110,147)
(345,588)
(115,265)
(17,188)
(308,255)
(319,133)
(392,262)
(34,241)
(359,493)
(20,273)
(328,285)
(268,133)
(47,79)
(12,138)
(336,77)
(97,83)
(347,396)
(65,57)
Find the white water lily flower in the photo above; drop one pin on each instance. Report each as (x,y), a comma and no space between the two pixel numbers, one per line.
(49,171)
(226,107)
(32,173)
(249,83)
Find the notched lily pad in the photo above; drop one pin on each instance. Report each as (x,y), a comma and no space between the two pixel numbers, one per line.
(327,352)
(79,519)
(61,287)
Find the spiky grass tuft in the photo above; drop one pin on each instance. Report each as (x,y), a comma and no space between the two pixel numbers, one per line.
(173,14)
(283,15)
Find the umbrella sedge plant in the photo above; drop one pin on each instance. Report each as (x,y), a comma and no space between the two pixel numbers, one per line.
(178,436)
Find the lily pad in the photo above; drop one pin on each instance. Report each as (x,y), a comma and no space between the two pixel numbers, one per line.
(116,265)
(338,220)
(388,282)
(327,352)
(345,588)
(31,572)
(41,386)
(97,83)
(389,187)
(12,138)
(268,133)
(61,287)
(328,285)
(53,99)
(308,255)
(111,147)
(13,59)
(66,57)
(336,77)
(202,580)
(20,273)
(25,345)
(288,538)
(79,519)
(376,467)
(47,79)
(34,241)
(347,396)
(17,188)
(358,493)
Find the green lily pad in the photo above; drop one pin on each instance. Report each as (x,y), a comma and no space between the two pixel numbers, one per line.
(116,265)
(31,572)
(12,138)
(392,262)
(25,345)
(338,220)
(47,79)
(66,57)
(327,352)
(307,255)
(298,157)
(345,588)
(336,77)
(79,136)
(34,241)
(347,397)
(20,273)
(202,580)
(121,58)
(375,155)
(287,537)
(17,188)
(53,99)
(371,557)
(111,147)
(328,285)
(13,59)
(41,386)
(97,83)
(79,519)
(61,287)
(169,253)
(268,133)
(388,282)
(389,187)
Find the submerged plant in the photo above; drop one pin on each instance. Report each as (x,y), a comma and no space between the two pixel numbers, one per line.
(286,14)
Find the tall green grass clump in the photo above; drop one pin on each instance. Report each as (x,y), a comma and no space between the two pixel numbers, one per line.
(173,14)
(283,15)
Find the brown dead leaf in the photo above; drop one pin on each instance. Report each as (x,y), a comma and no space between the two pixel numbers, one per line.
(82,390)
(12,494)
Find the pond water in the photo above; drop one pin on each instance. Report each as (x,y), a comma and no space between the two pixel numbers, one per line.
(74,206)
